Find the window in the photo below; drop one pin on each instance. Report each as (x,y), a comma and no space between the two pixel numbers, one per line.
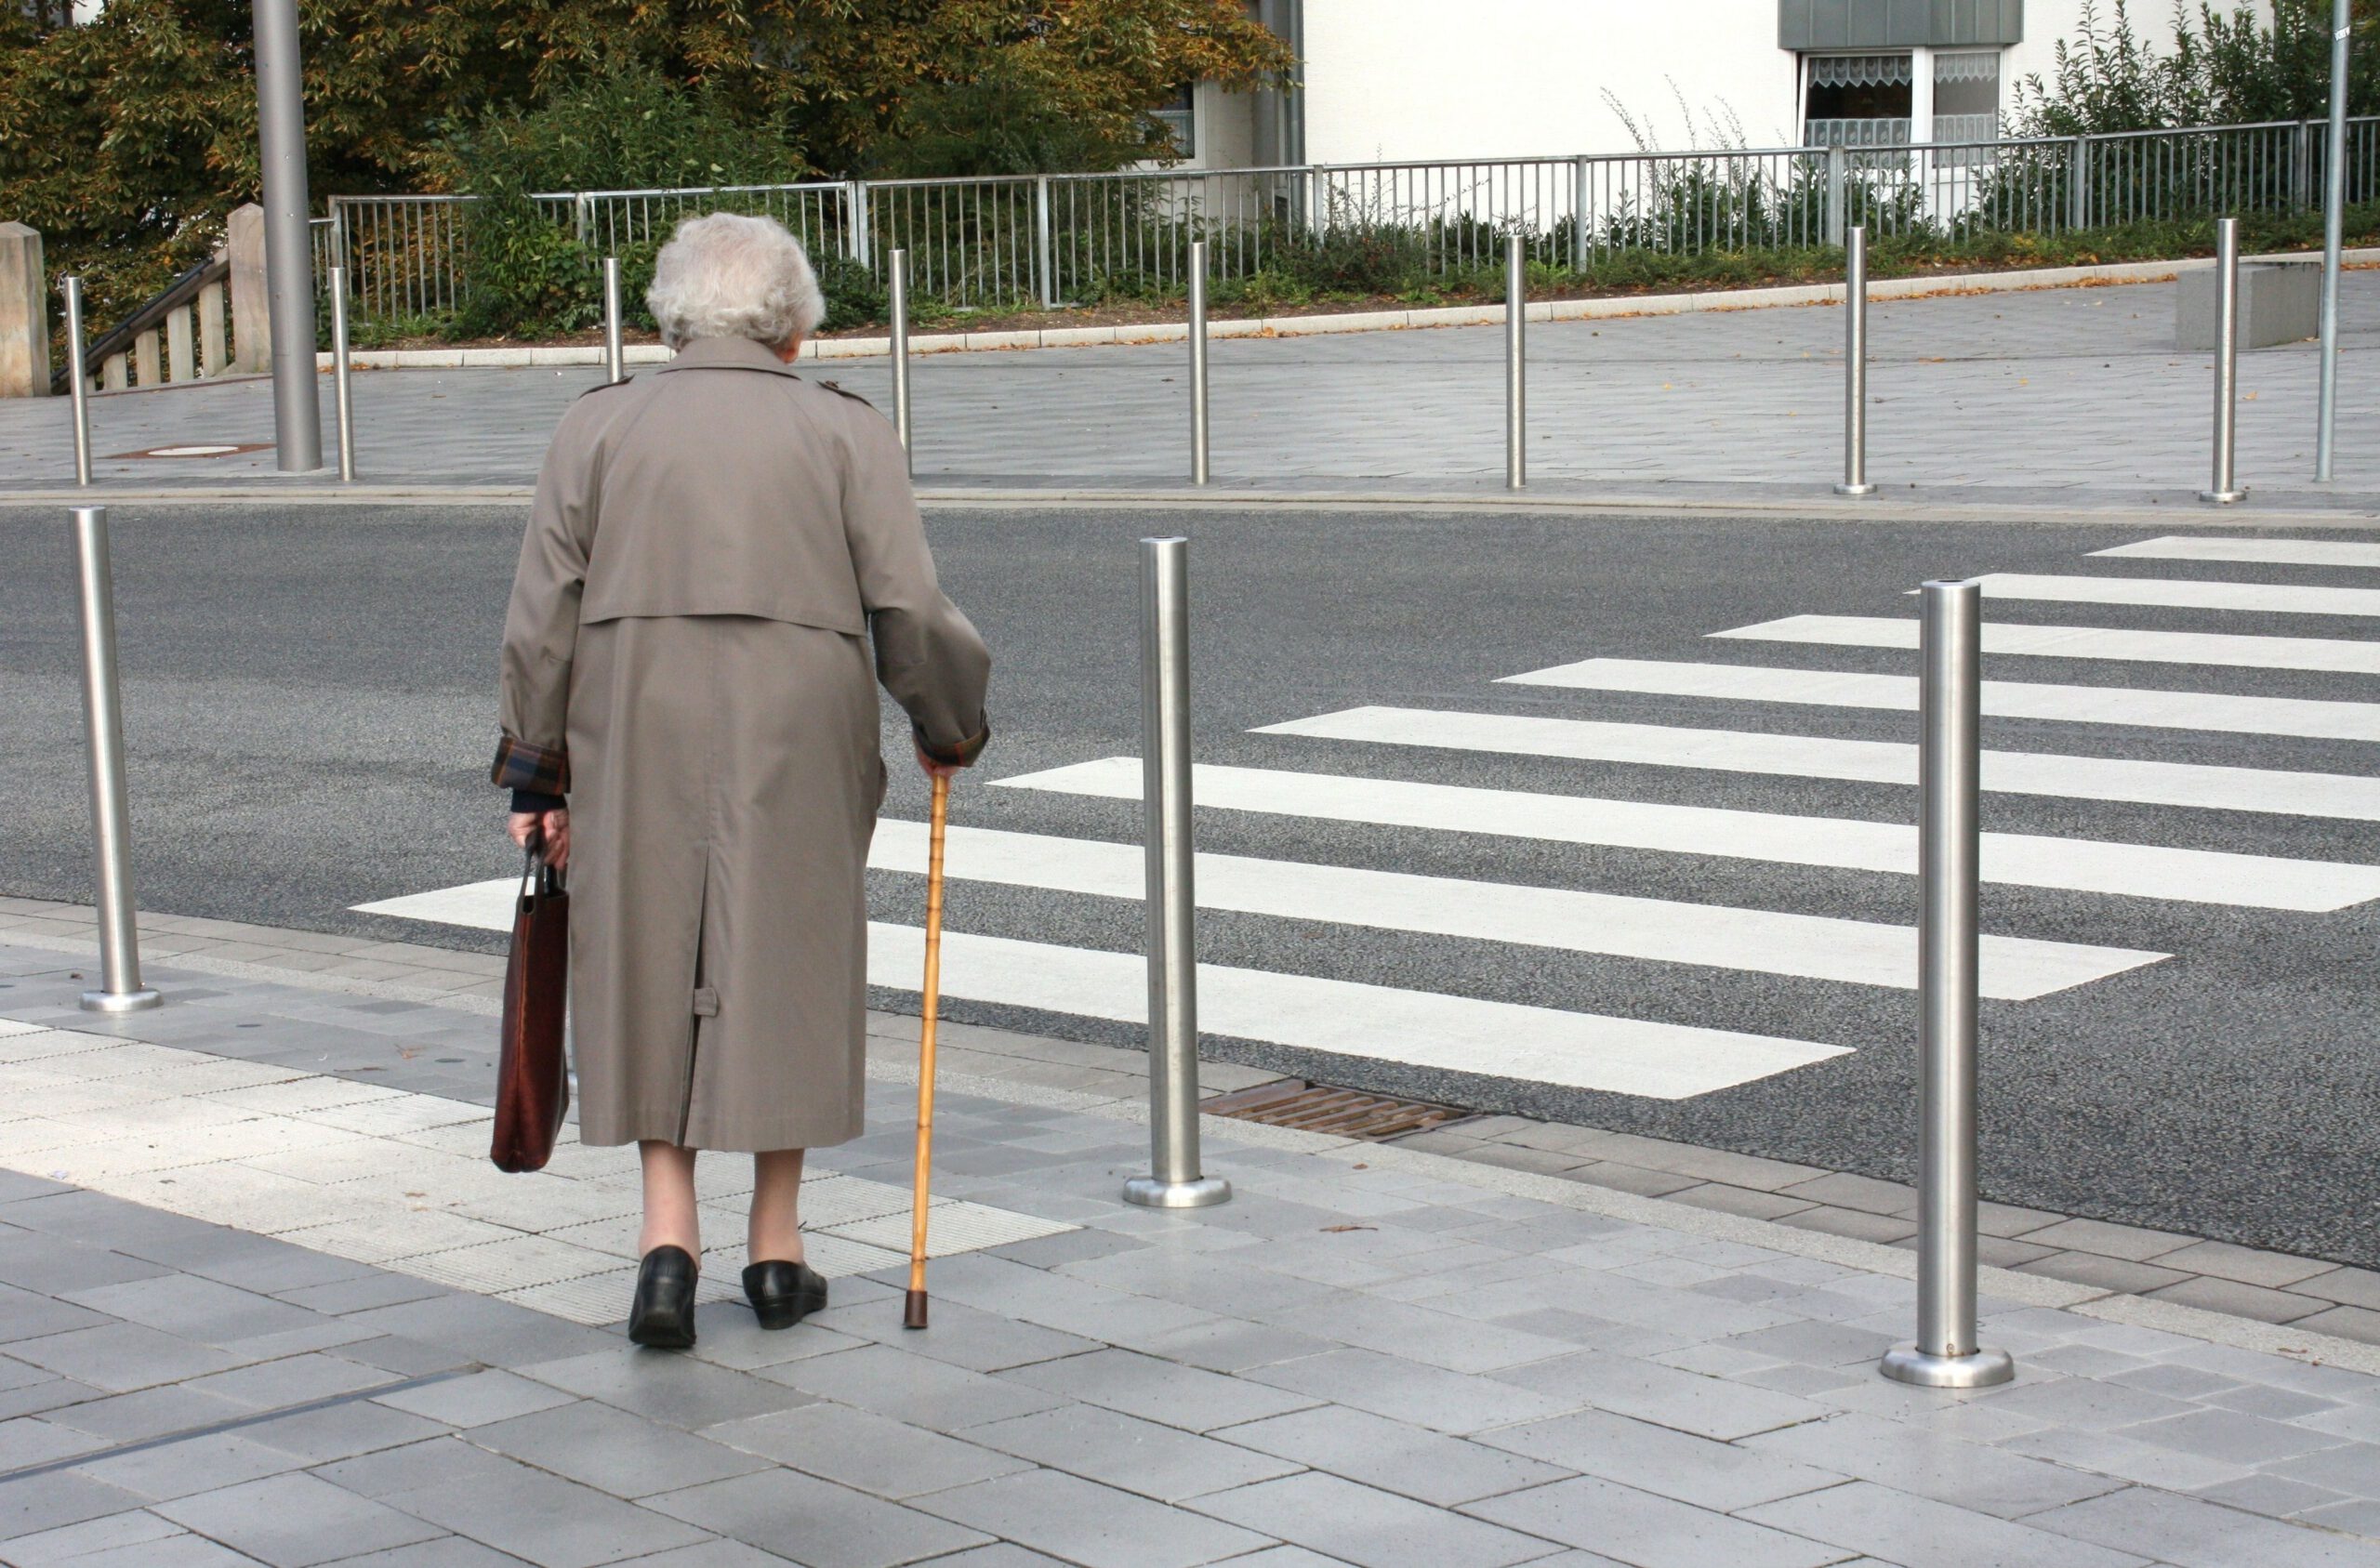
(1966,98)
(1859,100)
(1180,115)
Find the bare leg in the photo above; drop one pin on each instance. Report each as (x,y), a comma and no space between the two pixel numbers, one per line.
(777,1205)
(669,1217)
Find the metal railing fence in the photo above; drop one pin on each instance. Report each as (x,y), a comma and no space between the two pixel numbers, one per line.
(1051,240)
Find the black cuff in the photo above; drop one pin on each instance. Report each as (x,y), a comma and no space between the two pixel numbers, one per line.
(963,755)
(525,800)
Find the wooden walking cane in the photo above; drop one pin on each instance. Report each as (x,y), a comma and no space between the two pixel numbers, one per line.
(913,1310)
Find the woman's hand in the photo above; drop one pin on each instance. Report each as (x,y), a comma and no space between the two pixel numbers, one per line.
(552,828)
(934,769)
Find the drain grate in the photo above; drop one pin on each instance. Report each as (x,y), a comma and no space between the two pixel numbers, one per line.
(1292,1102)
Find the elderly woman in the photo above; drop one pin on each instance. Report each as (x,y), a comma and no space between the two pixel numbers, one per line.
(689,725)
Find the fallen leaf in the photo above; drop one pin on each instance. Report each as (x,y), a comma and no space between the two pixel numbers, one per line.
(1341,1230)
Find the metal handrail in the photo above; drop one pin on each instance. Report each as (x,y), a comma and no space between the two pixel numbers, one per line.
(165,302)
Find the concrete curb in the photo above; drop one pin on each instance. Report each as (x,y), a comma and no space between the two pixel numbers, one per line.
(1616,308)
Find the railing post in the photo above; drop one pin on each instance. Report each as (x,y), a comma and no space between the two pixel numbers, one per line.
(1175,1179)
(582,217)
(1581,200)
(78,379)
(897,276)
(1838,181)
(615,353)
(120,988)
(1855,366)
(342,391)
(2078,184)
(2225,490)
(24,314)
(1515,363)
(2333,237)
(1945,1354)
(1198,427)
(1045,278)
(214,343)
(860,248)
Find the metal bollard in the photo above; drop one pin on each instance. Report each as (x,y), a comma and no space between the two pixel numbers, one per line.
(78,377)
(1197,361)
(1946,1356)
(121,991)
(1175,1180)
(1515,363)
(1855,366)
(2333,237)
(897,278)
(2226,488)
(615,352)
(342,393)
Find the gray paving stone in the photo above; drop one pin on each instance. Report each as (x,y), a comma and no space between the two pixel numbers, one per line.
(2229,1436)
(205,1463)
(121,1357)
(2191,1534)
(1157,1391)
(1402,1390)
(2247,1265)
(194,1309)
(1621,1177)
(1649,1531)
(340,1431)
(1720,1476)
(2356,1517)
(1368,1527)
(1392,1455)
(2274,1496)
(2127,1458)
(277,1384)
(1227,1345)
(2131,1243)
(720,1554)
(677,1390)
(148,1413)
(2359,1324)
(1664,1395)
(911,1388)
(1836,1220)
(30,1505)
(2238,1300)
(109,1532)
(477,1398)
(2353,1288)
(980,1341)
(506,1505)
(184,1551)
(1899,1528)
(1113,1449)
(381,1289)
(30,1440)
(1923,1462)
(454,1551)
(26,1314)
(874,1453)
(815,1523)
(608,1448)
(493,1332)
(297,1521)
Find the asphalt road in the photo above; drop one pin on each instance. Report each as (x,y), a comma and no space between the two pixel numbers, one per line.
(311,712)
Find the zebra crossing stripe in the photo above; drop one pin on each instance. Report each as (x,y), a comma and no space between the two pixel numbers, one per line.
(2182,593)
(1816,947)
(1343,1018)
(2216,711)
(2271,552)
(2332,655)
(2342,796)
(2020,860)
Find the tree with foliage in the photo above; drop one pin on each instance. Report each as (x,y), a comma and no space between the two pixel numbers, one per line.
(126,140)
(2225,68)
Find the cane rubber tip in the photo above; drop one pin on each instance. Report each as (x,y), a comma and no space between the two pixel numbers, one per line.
(913,1311)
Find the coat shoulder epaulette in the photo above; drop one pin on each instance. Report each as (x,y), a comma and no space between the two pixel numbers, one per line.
(842,391)
(607,386)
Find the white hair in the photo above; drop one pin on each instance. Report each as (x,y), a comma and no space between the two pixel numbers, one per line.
(726,275)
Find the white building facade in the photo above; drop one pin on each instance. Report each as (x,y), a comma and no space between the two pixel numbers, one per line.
(1398,80)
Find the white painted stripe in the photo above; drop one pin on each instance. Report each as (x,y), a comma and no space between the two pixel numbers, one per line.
(2342,796)
(2218,711)
(2271,552)
(2020,860)
(2334,655)
(2180,593)
(1418,1028)
(1816,947)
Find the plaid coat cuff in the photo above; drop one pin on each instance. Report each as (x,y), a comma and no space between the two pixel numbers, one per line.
(520,765)
(963,755)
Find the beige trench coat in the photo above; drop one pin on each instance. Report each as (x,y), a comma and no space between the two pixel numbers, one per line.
(686,658)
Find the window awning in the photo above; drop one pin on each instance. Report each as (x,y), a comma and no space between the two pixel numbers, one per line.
(1860,71)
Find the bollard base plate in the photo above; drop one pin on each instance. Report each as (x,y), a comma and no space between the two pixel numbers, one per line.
(121,1001)
(1855,490)
(2222,497)
(1202,1193)
(1977,1369)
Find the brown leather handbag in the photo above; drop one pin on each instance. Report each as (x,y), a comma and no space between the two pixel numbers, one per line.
(532,1082)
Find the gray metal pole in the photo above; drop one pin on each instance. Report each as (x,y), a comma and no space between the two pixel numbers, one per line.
(288,256)
(78,376)
(1946,1356)
(1855,366)
(1515,363)
(342,394)
(2226,488)
(1175,1180)
(2334,239)
(1199,426)
(120,988)
(897,278)
(615,353)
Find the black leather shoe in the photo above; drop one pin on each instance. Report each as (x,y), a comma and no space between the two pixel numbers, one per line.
(783,1294)
(663,1313)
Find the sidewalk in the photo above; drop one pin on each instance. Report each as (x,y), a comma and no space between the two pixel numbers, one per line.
(265,1301)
